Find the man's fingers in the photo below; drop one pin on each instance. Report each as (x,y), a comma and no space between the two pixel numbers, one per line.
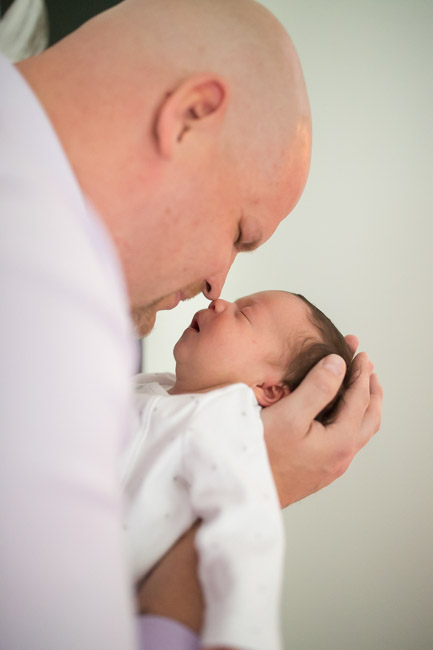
(353,406)
(316,391)
(358,417)
(352,341)
(372,416)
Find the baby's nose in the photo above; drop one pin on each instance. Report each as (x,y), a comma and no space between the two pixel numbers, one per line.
(219,305)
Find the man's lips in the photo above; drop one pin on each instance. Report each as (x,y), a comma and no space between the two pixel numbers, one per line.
(171,301)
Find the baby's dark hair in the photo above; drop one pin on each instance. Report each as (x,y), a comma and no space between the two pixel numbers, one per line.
(311,351)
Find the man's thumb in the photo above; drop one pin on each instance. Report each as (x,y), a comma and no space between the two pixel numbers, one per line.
(334,364)
(317,389)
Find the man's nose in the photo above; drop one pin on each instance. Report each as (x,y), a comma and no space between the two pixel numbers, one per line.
(213,285)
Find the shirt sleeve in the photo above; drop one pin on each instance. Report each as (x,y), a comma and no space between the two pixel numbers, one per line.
(240,542)
(66,359)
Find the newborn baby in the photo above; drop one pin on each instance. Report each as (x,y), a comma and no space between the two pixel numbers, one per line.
(199,454)
(269,341)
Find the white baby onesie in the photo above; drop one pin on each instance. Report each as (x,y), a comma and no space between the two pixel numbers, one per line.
(203,456)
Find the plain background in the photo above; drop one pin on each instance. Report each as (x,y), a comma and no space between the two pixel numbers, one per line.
(359,569)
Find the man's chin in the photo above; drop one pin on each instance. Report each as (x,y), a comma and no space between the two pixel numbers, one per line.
(144,317)
(144,320)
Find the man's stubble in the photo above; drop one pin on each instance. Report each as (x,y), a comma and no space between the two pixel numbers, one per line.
(144,317)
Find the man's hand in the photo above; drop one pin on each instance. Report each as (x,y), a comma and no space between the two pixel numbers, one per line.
(306,456)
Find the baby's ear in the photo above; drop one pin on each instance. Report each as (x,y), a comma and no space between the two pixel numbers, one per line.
(268,394)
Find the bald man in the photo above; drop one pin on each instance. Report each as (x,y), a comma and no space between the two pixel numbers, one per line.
(139,156)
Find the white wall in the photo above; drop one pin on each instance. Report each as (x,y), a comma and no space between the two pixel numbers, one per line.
(359,244)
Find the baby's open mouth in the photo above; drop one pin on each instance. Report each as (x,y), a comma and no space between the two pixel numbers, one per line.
(194,325)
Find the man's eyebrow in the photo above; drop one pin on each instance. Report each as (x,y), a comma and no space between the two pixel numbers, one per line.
(253,237)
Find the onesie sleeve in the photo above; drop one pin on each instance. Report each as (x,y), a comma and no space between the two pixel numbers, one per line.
(240,542)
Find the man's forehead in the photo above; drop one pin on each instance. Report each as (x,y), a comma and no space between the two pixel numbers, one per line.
(289,171)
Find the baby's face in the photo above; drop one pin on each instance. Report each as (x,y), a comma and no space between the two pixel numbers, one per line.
(247,341)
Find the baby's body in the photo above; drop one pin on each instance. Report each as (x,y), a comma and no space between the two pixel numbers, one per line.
(202,456)
(199,453)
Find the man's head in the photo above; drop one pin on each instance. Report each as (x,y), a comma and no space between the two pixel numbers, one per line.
(269,340)
(187,124)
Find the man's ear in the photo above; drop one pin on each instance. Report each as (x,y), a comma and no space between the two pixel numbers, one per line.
(198,103)
(268,394)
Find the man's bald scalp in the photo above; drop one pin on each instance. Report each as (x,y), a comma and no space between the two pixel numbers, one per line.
(238,39)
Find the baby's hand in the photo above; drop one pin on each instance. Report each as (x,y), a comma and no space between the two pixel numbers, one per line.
(306,456)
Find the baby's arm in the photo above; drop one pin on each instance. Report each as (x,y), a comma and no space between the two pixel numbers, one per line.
(240,541)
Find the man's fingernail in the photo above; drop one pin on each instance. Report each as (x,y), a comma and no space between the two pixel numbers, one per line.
(335,364)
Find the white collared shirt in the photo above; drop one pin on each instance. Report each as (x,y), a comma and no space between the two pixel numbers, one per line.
(203,456)
(65,364)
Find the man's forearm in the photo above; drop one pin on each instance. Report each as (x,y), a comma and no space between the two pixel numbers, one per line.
(172,589)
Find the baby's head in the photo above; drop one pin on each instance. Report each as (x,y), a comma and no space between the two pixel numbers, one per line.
(269,340)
